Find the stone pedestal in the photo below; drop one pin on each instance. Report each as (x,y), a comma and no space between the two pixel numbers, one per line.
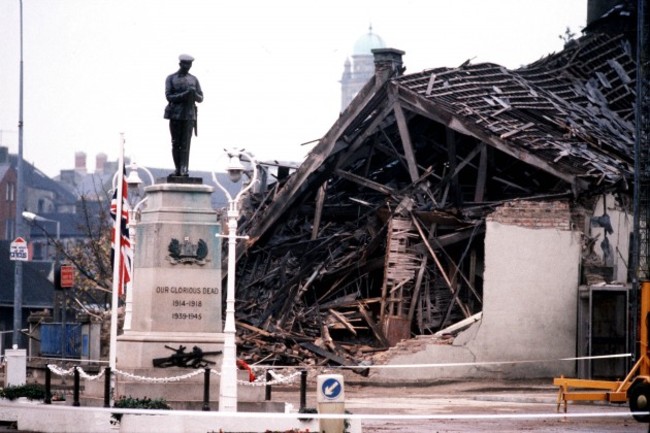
(177,277)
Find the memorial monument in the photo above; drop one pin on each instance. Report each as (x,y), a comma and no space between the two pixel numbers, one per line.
(176,320)
(177,257)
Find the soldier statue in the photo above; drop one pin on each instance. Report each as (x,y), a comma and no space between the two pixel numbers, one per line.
(182,91)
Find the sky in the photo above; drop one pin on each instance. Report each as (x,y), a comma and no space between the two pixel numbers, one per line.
(269,70)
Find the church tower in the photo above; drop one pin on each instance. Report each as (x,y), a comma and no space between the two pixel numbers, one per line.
(358,70)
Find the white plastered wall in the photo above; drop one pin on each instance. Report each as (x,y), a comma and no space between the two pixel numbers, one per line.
(529,312)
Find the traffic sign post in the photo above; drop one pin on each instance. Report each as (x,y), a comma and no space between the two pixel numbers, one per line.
(331,399)
(18,250)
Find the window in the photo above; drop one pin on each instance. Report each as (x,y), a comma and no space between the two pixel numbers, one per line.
(10,194)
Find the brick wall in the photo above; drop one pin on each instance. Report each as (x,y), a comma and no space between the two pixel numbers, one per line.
(534,214)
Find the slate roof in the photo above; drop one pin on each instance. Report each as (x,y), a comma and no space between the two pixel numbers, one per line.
(573,109)
(34,178)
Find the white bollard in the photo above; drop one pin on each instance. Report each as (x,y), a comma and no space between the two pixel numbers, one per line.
(16,373)
(331,399)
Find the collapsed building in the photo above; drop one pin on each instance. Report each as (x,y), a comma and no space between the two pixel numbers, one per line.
(468,204)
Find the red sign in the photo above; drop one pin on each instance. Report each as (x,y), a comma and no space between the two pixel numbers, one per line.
(67,276)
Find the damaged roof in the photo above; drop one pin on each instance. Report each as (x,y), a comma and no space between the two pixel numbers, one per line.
(574,111)
(569,114)
(379,232)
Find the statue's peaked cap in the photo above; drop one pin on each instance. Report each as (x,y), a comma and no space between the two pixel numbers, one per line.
(185,58)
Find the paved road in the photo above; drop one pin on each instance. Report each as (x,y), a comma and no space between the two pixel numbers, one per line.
(467,408)
(523,406)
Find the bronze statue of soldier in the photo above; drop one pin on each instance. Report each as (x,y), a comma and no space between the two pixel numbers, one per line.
(182,91)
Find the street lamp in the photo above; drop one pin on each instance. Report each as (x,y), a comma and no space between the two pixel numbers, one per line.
(133,183)
(228,385)
(32,217)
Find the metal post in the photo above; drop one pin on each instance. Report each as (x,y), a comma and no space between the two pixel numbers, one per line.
(107,387)
(303,389)
(20,203)
(48,385)
(267,388)
(112,350)
(75,401)
(57,269)
(206,390)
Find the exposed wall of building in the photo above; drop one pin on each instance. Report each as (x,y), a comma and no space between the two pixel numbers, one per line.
(532,265)
(617,235)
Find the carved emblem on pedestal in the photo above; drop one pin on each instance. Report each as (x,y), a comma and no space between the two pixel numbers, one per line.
(186,252)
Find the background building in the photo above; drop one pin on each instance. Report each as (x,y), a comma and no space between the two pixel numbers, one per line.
(358,70)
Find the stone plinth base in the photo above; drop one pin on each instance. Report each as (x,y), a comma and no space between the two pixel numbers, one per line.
(137,350)
(172,178)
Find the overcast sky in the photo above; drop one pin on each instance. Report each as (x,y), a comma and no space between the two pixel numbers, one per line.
(269,70)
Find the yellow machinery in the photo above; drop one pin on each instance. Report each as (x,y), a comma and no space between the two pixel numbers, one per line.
(635,388)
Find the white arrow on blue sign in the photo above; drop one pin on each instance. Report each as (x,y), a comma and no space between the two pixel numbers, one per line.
(331,388)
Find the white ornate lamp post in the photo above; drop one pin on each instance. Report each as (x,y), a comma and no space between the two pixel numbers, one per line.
(228,385)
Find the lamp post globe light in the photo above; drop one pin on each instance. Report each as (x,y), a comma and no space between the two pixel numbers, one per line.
(228,384)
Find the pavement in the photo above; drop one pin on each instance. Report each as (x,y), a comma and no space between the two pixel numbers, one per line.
(461,407)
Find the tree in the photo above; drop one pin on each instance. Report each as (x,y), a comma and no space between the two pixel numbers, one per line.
(90,254)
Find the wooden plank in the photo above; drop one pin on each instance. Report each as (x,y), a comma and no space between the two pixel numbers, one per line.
(462,306)
(516,130)
(406,142)
(450,138)
(432,79)
(253,329)
(334,357)
(341,319)
(479,191)
(375,329)
(365,182)
(416,289)
(318,212)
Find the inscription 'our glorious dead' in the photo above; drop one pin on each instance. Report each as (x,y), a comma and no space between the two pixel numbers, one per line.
(181,290)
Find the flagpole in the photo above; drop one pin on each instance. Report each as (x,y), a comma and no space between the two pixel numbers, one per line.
(117,266)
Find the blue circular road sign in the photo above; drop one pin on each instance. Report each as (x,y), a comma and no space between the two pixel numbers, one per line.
(331,388)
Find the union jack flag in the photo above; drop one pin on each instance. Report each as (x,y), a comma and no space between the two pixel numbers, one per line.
(122,243)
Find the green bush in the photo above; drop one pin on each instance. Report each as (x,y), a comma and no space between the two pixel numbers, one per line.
(32,391)
(141,403)
(138,403)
